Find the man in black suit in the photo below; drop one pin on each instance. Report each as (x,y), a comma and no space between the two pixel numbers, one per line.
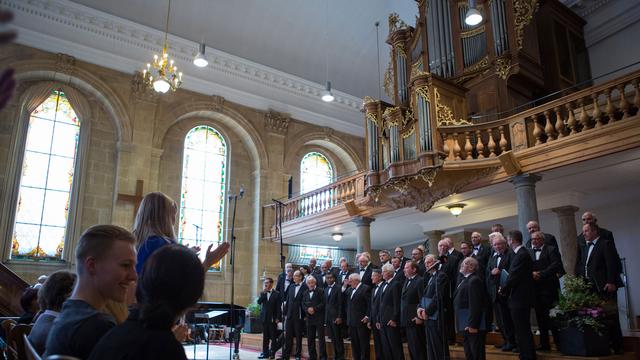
(417,256)
(409,301)
(497,228)
(519,288)
(294,321)
(500,260)
(399,252)
(385,257)
(590,218)
(284,280)
(313,303)
(343,274)
(358,303)
(314,269)
(470,301)
(533,226)
(334,315)
(374,314)
(451,268)
(364,269)
(398,269)
(389,315)
(546,265)
(270,316)
(325,269)
(480,252)
(598,263)
(431,310)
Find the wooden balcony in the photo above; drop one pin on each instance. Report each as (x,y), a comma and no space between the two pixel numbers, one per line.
(587,124)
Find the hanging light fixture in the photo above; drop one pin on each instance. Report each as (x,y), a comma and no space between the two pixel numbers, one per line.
(162,74)
(327,95)
(473,16)
(456,209)
(336,236)
(200,60)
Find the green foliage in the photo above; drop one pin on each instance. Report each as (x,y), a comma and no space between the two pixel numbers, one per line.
(579,306)
(254,308)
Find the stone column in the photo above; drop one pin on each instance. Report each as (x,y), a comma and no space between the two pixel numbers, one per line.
(364,233)
(567,236)
(525,185)
(434,236)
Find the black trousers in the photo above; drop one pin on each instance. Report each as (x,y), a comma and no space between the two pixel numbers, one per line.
(503,318)
(269,336)
(612,321)
(474,345)
(544,323)
(360,336)
(392,348)
(377,341)
(522,329)
(312,331)
(416,341)
(337,339)
(437,341)
(293,328)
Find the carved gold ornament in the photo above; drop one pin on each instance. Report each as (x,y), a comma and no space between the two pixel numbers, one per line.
(428,176)
(444,115)
(483,63)
(395,23)
(410,132)
(416,70)
(523,12)
(408,117)
(424,92)
(503,67)
(388,80)
(367,100)
(372,117)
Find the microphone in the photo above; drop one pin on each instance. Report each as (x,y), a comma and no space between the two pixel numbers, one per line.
(241,191)
(434,265)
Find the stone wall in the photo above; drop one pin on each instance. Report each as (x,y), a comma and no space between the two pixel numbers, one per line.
(134,134)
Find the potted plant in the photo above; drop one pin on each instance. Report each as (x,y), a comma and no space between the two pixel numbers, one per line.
(252,323)
(580,319)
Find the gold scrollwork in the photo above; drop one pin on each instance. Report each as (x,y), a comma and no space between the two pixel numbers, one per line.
(387,112)
(400,185)
(388,81)
(408,117)
(427,175)
(374,192)
(411,131)
(473,32)
(523,11)
(373,118)
(368,99)
(483,63)
(444,115)
(503,67)
(400,49)
(424,92)
(395,23)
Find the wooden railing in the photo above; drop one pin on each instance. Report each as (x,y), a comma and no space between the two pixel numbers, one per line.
(325,198)
(581,111)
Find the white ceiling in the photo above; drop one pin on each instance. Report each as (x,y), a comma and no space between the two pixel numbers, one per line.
(590,184)
(287,35)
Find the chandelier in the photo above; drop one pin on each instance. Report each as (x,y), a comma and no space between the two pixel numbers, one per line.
(162,74)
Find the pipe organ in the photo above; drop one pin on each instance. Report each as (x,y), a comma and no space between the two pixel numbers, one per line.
(444,72)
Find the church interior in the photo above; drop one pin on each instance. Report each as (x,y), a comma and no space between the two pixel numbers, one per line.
(319,129)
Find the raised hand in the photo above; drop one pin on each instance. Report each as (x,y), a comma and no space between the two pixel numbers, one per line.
(213,256)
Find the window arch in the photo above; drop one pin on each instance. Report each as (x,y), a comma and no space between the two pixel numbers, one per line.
(41,220)
(202,198)
(315,172)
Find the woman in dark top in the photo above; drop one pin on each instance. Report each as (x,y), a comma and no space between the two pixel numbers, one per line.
(171,281)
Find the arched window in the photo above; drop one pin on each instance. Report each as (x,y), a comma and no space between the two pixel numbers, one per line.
(202,199)
(315,172)
(42,212)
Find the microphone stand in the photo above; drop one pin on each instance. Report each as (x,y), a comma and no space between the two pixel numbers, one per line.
(279,208)
(233,345)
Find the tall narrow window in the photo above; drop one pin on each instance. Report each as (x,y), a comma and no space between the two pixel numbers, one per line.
(315,172)
(202,199)
(42,212)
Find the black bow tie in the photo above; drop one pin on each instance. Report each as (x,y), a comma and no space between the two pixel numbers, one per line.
(590,243)
(476,248)
(363,269)
(537,249)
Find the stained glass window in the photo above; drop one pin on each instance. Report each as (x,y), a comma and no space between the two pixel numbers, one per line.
(315,172)
(202,199)
(42,212)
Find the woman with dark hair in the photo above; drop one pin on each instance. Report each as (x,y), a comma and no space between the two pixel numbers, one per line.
(171,281)
(29,303)
(55,290)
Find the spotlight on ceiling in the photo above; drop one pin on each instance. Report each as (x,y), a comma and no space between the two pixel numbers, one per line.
(456,209)
(200,60)
(327,95)
(473,16)
(336,236)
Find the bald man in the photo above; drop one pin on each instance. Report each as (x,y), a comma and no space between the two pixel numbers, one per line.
(534,226)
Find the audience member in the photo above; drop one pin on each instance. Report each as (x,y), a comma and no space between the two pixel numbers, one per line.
(106,259)
(56,289)
(30,306)
(171,282)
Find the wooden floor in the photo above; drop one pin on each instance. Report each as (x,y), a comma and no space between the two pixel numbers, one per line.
(254,342)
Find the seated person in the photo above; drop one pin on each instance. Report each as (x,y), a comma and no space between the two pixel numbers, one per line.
(56,289)
(106,260)
(29,303)
(171,282)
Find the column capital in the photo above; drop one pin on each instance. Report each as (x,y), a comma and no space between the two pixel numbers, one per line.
(568,210)
(363,220)
(525,180)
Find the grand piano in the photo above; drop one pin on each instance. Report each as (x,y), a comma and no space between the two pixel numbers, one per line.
(217,315)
